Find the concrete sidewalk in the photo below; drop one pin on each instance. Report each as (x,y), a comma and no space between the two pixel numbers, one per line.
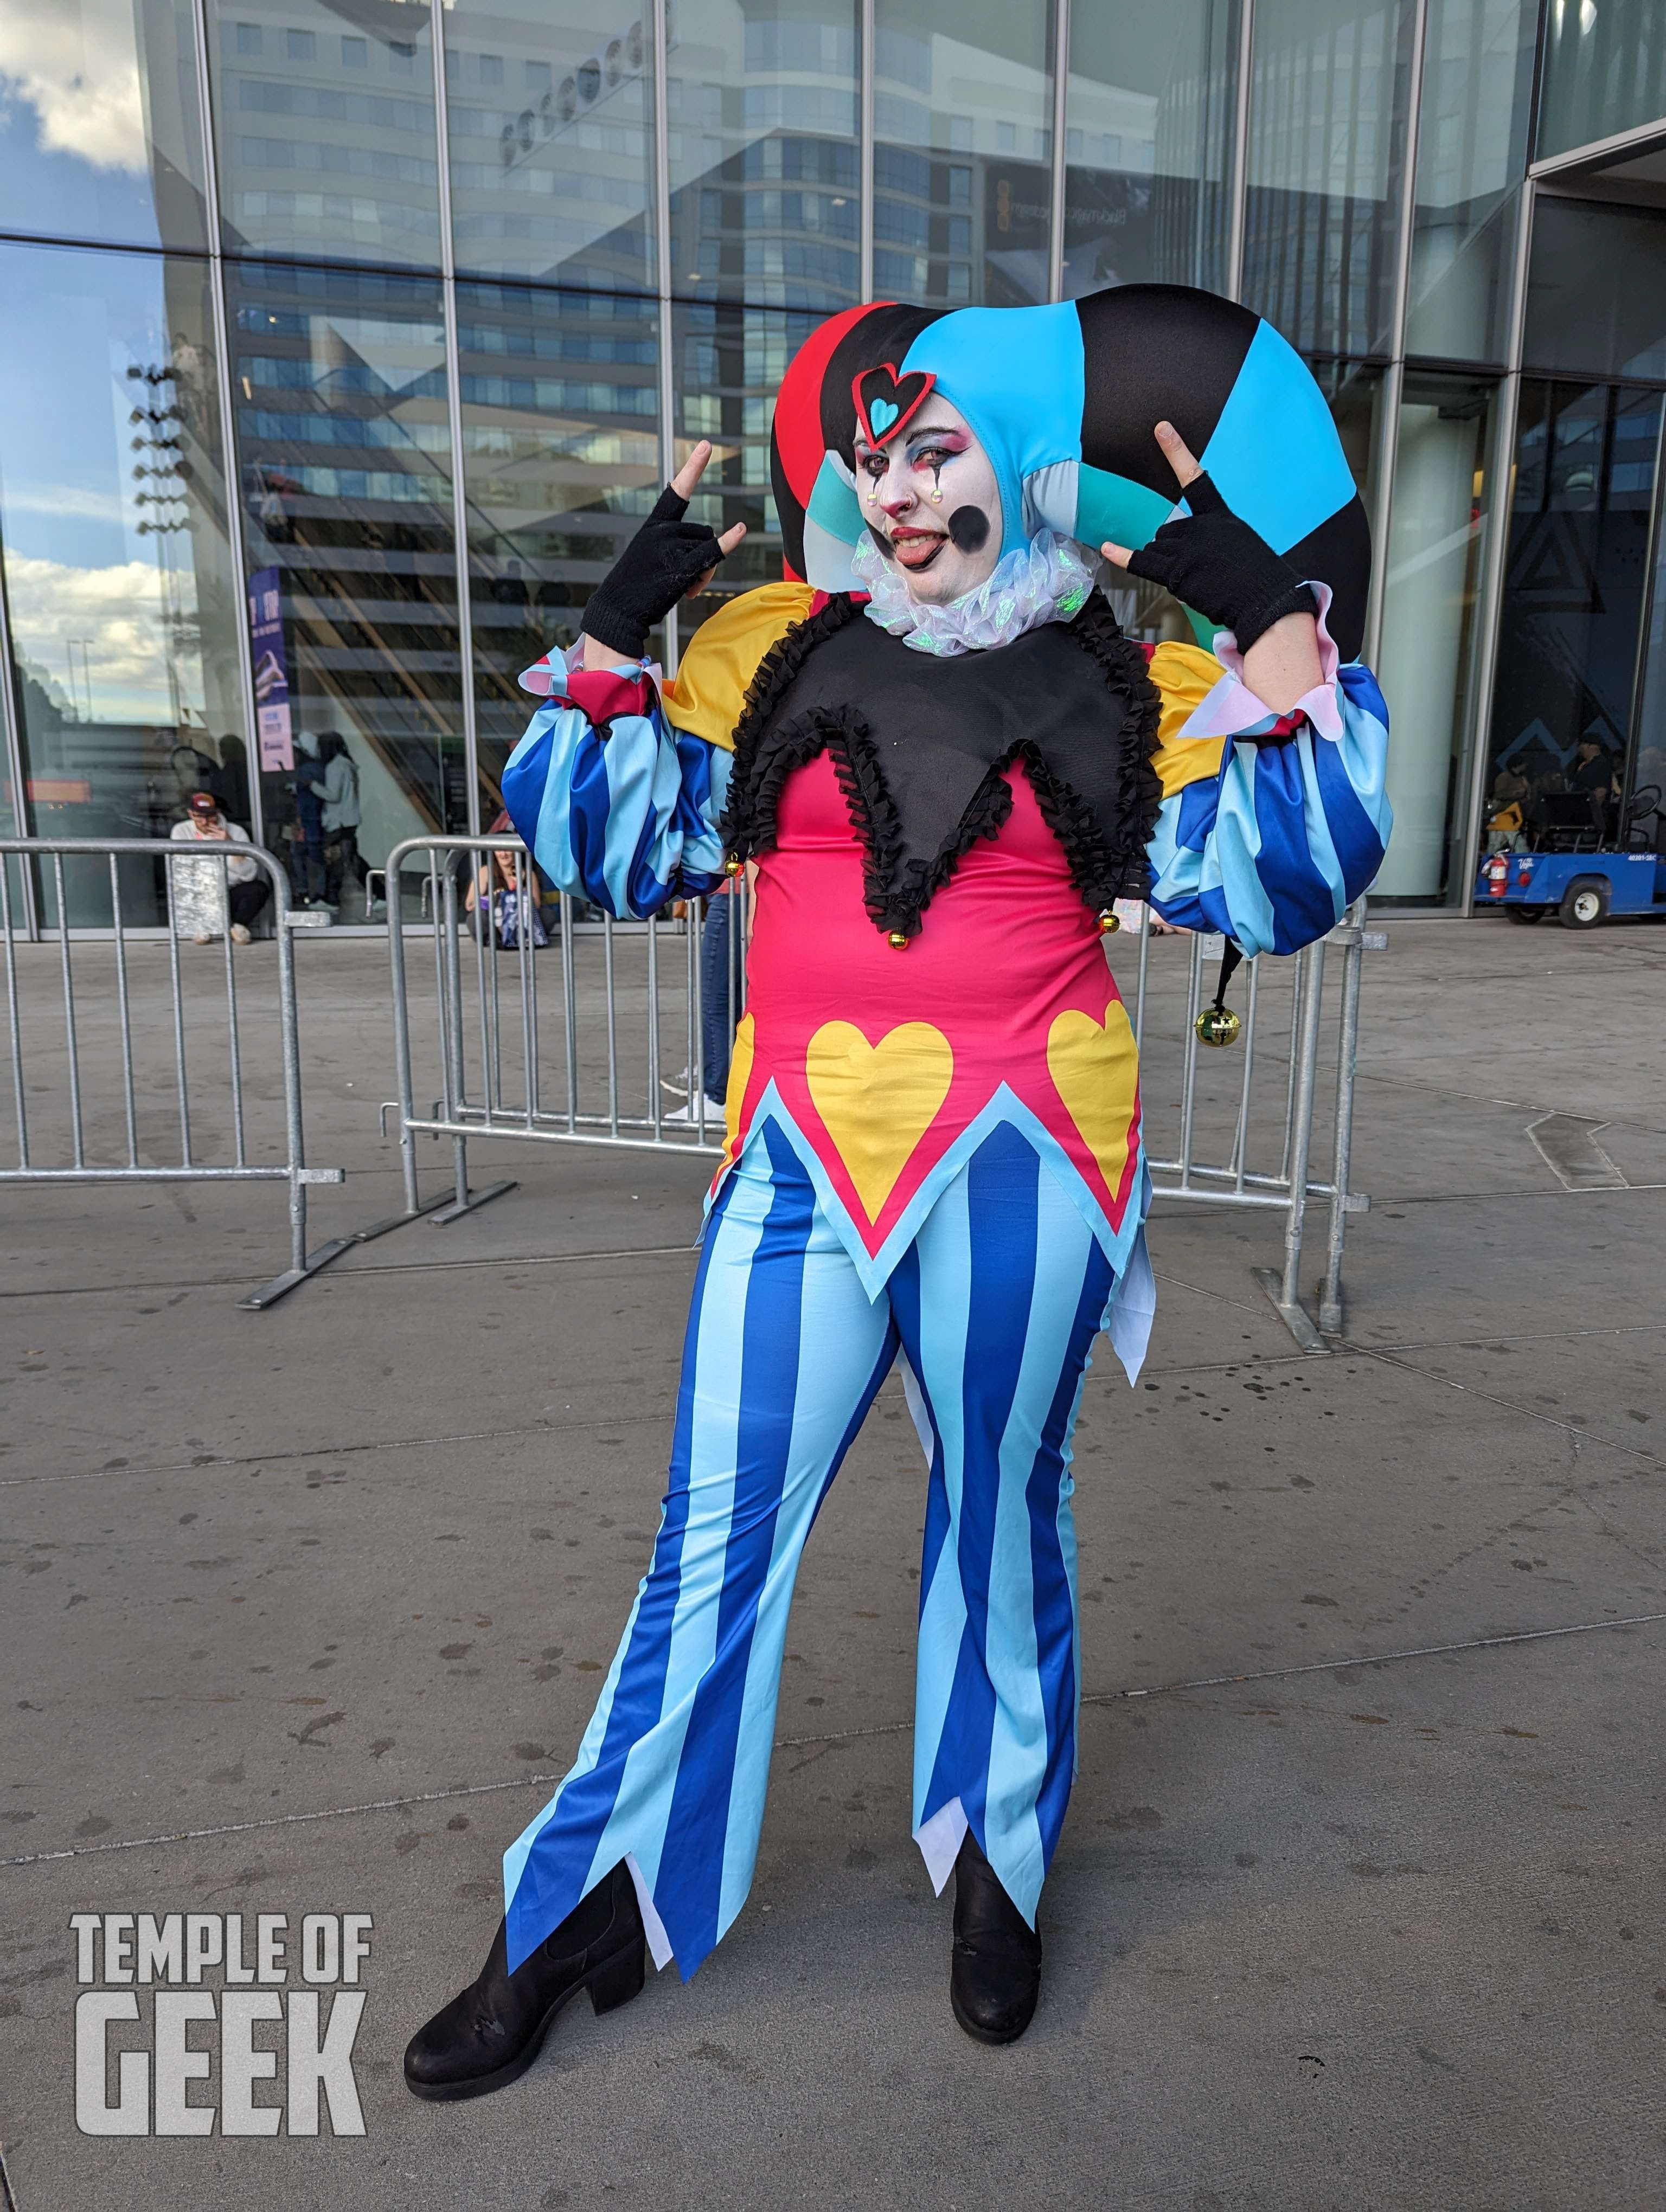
(1358,1904)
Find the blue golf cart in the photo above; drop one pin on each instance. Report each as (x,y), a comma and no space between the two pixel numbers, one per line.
(1574,871)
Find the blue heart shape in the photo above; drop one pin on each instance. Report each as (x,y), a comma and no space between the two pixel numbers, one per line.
(880,416)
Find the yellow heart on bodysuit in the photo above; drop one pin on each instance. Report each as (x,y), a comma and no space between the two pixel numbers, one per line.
(1096,1071)
(878,1101)
(740,1074)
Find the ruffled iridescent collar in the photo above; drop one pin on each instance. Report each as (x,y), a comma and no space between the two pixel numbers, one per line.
(1046,580)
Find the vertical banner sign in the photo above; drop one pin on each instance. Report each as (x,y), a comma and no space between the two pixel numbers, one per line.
(271,671)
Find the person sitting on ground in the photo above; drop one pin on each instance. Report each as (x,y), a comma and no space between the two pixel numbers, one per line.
(207,894)
(496,886)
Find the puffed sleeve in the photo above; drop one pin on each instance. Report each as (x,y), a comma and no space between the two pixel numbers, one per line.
(1270,825)
(619,785)
(619,806)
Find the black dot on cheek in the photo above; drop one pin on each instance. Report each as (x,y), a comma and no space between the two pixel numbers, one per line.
(881,540)
(969,526)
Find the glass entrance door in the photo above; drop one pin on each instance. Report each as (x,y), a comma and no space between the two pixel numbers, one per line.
(1563,719)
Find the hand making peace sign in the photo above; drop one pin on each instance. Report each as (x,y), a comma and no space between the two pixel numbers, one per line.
(1212,559)
(668,559)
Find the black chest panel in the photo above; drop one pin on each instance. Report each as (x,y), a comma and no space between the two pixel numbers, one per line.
(919,745)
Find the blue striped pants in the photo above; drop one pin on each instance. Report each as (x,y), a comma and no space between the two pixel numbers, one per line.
(995,1307)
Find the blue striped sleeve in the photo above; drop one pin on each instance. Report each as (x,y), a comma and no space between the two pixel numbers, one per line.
(623,812)
(1273,849)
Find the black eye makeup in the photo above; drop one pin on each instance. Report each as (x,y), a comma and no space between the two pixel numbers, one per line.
(929,448)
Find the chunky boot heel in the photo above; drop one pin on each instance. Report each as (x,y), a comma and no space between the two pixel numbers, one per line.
(489,2034)
(620,1980)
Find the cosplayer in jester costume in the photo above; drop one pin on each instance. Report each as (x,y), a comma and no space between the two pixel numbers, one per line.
(943,763)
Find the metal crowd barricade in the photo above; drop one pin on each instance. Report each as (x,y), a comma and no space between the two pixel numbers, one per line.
(115,1110)
(1290,1074)
(582,1042)
(588,1059)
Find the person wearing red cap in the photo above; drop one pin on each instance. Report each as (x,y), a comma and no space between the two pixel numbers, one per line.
(209,898)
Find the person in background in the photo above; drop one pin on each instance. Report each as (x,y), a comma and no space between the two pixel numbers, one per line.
(209,896)
(722,951)
(1593,774)
(338,794)
(1507,823)
(496,887)
(232,782)
(307,863)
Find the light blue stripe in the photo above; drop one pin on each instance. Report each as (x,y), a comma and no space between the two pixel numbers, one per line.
(1321,845)
(843,1337)
(1364,749)
(945,1262)
(1018,1747)
(1283,485)
(642,1806)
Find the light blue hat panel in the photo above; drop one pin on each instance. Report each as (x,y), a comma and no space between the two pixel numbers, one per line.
(1017,374)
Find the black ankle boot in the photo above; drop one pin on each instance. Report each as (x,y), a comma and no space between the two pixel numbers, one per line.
(995,1973)
(489,2035)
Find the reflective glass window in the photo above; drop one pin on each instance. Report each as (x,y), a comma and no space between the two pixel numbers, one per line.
(561,441)
(1149,143)
(1574,588)
(319,155)
(1597,290)
(119,580)
(728,364)
(551,123)
(1647,791)
(963,126)
(764,195)
(1604,71)
(1435,556)
(1471,154)
(344,453)
(100,130)
(1327,143)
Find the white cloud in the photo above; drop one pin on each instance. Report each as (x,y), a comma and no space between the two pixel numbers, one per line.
(78,67)
(63,502)
(119,611)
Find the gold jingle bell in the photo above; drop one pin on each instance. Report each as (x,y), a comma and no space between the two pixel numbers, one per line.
(733,866)
(1109,924)
(899,941)
(1217,1025)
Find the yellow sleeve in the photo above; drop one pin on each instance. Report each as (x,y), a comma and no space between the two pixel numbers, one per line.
(704,695)
(1184,676)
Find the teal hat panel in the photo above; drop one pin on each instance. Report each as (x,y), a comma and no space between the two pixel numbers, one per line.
(1017,374)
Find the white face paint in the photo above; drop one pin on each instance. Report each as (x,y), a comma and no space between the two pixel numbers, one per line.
(933,504)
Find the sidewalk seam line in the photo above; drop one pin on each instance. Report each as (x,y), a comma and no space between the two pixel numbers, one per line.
(835,1735)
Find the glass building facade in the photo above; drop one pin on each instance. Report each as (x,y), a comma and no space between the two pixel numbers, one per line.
(346,344)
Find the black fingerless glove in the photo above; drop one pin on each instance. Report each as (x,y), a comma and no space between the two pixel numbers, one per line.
(665,560)
(1213,560)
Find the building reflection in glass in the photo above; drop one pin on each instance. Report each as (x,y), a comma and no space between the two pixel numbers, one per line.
(962,123)
(561,441)
(344,455)
(117,574)
(551,120)
(1148,144)
(764,202)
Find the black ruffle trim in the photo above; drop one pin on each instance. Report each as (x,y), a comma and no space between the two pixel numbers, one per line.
(748,824)
(1108,860)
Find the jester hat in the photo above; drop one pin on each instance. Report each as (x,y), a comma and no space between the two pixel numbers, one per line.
(1064,400)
